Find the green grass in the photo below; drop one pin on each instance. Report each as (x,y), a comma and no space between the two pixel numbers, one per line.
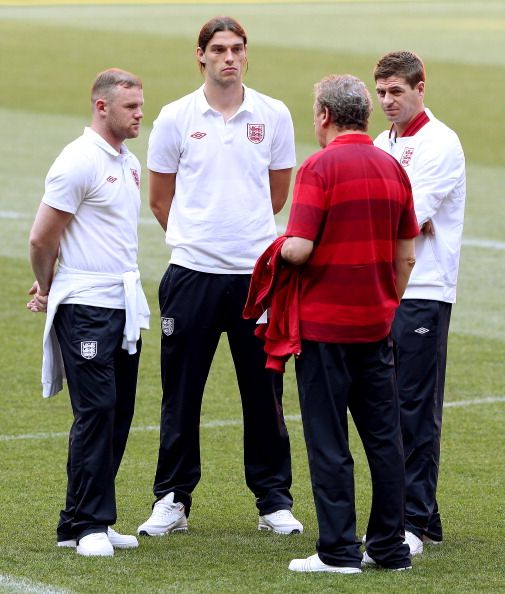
(49,58)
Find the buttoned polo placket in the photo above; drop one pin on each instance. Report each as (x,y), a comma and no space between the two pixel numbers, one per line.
(227,129)
(224,130)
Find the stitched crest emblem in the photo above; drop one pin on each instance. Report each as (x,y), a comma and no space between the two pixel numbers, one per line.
(256,133)
(135,175)
(406,157)
(89,348)
(167,326)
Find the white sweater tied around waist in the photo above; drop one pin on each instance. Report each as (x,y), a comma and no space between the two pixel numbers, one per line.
(67,283)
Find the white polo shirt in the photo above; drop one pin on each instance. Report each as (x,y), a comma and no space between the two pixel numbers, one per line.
(221,218)
(101,188)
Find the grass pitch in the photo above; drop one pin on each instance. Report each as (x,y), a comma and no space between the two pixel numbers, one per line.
(50,56)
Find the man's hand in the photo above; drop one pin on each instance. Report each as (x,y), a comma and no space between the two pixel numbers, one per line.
(39,301)
(427,228)
(296,250)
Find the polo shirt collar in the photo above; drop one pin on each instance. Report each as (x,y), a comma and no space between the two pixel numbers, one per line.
(351,139)
(420,120)
(95,138)
(247,103)
(202,101)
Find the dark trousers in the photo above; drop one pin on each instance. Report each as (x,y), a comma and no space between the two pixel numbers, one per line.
(196,308)
(420,332)
(102,380)
(331,378)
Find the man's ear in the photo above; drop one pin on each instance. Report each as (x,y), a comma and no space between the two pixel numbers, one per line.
(200,54)
(100,105)
(327,118)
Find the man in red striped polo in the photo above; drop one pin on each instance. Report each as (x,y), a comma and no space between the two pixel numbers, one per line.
(351,228)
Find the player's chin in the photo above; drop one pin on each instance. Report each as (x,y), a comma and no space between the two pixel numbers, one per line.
(133,132)
(230,76)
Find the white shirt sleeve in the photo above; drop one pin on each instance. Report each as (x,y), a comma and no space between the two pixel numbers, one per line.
(68,181)
(438,169)
(163,152)
(283,144)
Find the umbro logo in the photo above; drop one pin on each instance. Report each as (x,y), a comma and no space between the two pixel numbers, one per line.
(111,179)
(198,135)
(422,330)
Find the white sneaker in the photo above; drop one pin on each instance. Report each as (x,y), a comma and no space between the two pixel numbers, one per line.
(280,522)
(166,517)
(313,563)
(122,541)
(96,544)
(367,561)
(118,541)
(430,541)
(415,544)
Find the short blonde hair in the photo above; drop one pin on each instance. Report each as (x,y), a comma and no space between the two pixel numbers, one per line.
(106,83)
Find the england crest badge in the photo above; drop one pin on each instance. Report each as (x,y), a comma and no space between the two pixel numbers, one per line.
(89,348)
(406,157)
(256,133)
(167,326)
(136,178)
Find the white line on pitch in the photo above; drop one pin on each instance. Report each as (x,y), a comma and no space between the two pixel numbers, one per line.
(484,243)
(487,400)
(231,422)
(26,586)
(470,241)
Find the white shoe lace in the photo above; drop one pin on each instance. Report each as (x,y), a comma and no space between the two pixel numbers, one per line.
(283,514)
(162,510)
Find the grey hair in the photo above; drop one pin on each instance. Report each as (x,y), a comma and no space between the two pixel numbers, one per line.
(347,99)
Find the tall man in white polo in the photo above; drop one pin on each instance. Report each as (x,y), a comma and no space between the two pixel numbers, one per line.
(220,162)
(87,225)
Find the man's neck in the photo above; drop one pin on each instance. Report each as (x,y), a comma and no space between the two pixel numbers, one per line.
(224,99)
(107,136)
(398,129)
(333,132)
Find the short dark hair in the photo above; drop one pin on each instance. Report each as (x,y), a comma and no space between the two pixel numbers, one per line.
(215,25)
(106,83)
(406,64)
(347,99)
